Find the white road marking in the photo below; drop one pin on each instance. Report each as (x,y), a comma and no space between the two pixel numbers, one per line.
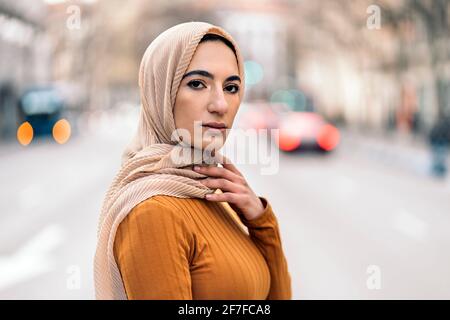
(32,259)
(410,225)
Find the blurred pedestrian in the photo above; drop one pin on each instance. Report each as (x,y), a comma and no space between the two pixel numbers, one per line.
(439,139)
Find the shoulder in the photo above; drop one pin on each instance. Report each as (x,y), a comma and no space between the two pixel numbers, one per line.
(148,223)
(153,210)
(151,204)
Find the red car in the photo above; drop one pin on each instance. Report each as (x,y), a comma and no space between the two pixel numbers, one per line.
(306,129)
(257,115)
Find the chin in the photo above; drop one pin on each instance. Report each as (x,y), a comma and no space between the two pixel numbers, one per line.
(208,145)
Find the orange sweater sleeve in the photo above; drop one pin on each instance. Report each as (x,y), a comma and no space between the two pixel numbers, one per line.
(265,233)
(152,250)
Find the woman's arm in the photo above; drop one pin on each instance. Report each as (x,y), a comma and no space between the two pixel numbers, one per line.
(152,250)
(265,233)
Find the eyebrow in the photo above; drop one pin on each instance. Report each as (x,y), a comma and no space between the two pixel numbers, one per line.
(209,75)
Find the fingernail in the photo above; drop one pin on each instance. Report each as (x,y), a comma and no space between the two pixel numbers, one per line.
(196,168)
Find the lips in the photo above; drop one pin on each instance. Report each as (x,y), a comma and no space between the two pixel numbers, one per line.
(215,125)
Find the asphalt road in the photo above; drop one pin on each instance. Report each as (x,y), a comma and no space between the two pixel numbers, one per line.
(352,226)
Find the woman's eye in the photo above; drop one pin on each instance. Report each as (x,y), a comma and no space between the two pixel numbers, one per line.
(195,84)
(233,88)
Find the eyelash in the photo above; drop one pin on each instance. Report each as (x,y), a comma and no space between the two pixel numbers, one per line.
(197,81)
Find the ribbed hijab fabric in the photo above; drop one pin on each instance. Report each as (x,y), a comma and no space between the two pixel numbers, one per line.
(154,164)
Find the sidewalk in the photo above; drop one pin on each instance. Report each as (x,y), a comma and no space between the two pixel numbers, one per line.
(391,148)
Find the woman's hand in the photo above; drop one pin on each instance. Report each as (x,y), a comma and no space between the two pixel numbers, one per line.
(237,192)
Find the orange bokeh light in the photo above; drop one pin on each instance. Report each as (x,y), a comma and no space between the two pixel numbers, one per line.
(287,142)
(328,137)
(61,131)
(25,133)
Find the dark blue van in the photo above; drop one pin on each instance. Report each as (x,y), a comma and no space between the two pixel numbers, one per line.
(42,107)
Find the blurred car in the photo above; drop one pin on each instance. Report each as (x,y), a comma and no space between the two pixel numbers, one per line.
(306,130)
(257,115)
(42,107)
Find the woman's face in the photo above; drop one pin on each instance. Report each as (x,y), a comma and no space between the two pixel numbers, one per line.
(208,92)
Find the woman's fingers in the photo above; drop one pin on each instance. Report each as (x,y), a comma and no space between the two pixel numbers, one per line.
(225,197)
(223,184)
(219,172)
(239,194)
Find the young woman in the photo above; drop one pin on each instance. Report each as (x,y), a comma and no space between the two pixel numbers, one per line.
(169,230)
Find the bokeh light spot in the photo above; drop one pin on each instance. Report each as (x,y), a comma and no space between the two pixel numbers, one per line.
(328,137)
(287,141)
(254,72)
(25,133)
(61,131)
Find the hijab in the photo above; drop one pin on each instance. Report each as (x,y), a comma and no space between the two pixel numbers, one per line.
(157,161)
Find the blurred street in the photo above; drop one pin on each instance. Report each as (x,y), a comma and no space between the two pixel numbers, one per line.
(44,244)
(339,213)
(342,213)
(358,91)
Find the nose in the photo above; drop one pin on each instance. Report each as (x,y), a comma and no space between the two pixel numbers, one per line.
(218,103)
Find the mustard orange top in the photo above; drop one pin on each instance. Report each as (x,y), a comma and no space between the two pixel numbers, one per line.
(175,248)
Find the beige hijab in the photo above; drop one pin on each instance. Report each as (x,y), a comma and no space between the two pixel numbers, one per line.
(153,164)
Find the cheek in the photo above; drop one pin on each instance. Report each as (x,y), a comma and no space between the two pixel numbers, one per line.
(188,108)
(234,104)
